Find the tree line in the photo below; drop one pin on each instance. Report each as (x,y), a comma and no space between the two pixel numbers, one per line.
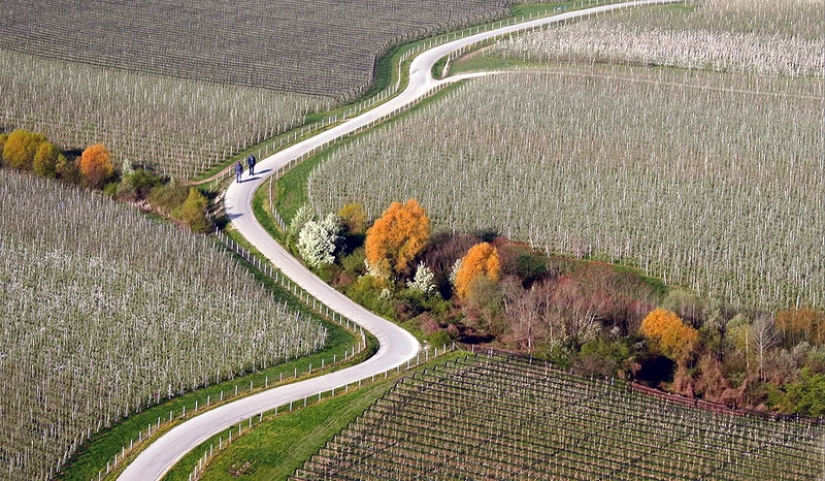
(486,289)
(94,169)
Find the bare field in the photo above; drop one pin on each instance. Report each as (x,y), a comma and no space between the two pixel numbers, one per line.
(316,47)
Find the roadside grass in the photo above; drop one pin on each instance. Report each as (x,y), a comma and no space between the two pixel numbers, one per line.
(275,448)
(478,63)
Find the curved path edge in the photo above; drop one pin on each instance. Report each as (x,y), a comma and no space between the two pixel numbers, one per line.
(397,346)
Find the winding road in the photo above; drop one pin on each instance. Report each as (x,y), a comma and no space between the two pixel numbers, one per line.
(397,346)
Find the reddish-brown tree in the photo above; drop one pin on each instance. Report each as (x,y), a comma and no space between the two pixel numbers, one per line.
(396,238)
(801,324)
(95,165)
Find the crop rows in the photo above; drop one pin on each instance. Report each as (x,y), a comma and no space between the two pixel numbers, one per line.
(317,47)
(774,38)
(507,418)
(179,127)
(105,312)
(714,181)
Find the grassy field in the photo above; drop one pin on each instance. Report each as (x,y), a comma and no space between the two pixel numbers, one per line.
(106,312)
(509,418)
(683,174)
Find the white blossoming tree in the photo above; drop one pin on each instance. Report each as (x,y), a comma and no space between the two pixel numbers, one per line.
(424,280)
(317,241)
(302,216)
(454,271)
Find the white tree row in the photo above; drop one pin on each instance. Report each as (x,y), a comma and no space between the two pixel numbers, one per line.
(785,38)
(719,188)
(180,127)
(105,312)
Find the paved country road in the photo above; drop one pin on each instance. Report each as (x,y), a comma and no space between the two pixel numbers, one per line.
(397,346)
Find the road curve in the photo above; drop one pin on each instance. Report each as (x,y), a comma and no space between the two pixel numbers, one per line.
(397,346)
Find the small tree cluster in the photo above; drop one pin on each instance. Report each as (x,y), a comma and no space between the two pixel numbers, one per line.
(193,212)
(24,150)
(397,238)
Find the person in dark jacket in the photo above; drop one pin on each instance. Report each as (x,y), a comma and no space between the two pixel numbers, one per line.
(238,171)
(250,161)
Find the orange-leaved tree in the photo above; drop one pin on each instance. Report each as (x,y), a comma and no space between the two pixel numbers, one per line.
(396,238)
(95,165)
(675,339)
(481,260)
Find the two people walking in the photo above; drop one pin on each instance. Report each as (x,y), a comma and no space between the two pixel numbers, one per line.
(250,161)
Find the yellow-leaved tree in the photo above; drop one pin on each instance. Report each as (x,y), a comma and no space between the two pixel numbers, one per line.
(95,165)
(20,148)
(396,238)
(353,217)
(481,260)
(675,339)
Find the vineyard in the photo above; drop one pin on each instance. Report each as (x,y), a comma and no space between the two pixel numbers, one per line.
(106,312)
(318,47)
(180,87)
(705,179)
(770,38)
(497,417)
(177,127)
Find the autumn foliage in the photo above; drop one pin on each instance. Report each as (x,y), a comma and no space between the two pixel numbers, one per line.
(798,325)
(481,260)
(396,238)
(20,148)
(353,217)
(95,165)
(675,339)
